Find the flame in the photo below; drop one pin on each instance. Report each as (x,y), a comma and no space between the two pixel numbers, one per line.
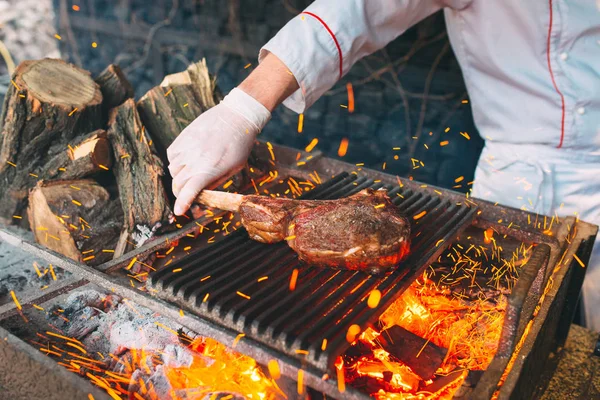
(228,371)
(469,326)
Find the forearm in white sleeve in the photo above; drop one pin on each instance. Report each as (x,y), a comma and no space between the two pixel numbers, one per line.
(322,43)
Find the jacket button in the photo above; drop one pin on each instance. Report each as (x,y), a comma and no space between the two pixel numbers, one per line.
(581,111)
(564,56)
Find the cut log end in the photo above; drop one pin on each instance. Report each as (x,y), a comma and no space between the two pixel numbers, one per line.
(75,218)
(56,82)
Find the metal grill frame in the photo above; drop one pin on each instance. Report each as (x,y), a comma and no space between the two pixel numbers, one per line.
(336,299)
(548,331)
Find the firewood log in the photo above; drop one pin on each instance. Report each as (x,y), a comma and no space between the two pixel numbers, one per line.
(168,108)
(114,86)
(138,171)
(85,155)
(76,218)
(49,104)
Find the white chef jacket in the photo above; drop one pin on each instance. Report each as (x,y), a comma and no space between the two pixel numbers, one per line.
(532,71)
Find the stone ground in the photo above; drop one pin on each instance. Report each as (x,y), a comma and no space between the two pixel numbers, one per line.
(578,373)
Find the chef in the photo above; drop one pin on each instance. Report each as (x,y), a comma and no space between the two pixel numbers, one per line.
(532,70)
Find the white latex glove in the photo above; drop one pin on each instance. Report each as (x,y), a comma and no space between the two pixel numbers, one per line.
(215,144)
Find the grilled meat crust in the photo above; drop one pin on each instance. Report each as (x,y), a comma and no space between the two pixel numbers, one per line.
(363,232)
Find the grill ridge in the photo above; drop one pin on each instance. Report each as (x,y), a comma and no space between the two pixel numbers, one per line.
(326,301)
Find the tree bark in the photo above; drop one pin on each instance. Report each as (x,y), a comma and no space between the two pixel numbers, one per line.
(139,173)
(49,104)
(168,108)
(114,86)
(76,218)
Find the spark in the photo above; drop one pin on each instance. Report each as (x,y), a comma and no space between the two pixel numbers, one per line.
(465,135)
(459,179)
(465,101)
(300,122)
(15,85)
(447,130)
(341,381)
(168,92)
(379,205)
(131,263)
(300,351)
(107,251)
(237,339)
(73,112)
(205,297)
(56,35)
(300,381)
(12,293)
(374,298)
(11,164)
(176,270)
(76,8)
(81,349)
(352,333)
(205,278)
(270,147)
(420,215)
(242,295)
(247,65)
(181,312)
(350,91)
(89,258)
(579,261)
(227,184)
(264,278)
(76,203)
(165,328)
(104,167)
(293,279)
(311,145)
(33,175)
(343,106)
(444,143)
(273,367)
(17,216)
(324,344)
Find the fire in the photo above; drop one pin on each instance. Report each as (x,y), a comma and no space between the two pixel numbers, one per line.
(147,374)
(468,323)
(226,371)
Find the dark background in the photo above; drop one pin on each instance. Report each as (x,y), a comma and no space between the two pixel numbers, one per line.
(406,95)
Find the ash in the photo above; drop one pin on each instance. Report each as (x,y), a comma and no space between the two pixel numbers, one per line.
(107,324)
(18,270)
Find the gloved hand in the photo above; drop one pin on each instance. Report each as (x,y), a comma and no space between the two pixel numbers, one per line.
(215,144)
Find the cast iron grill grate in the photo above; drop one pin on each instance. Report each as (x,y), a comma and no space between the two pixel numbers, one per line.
(325,302)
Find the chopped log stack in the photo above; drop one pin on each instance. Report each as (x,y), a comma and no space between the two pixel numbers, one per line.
(50,104)
(58,125)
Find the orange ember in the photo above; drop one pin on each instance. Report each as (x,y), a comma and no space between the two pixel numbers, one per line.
(458,306)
